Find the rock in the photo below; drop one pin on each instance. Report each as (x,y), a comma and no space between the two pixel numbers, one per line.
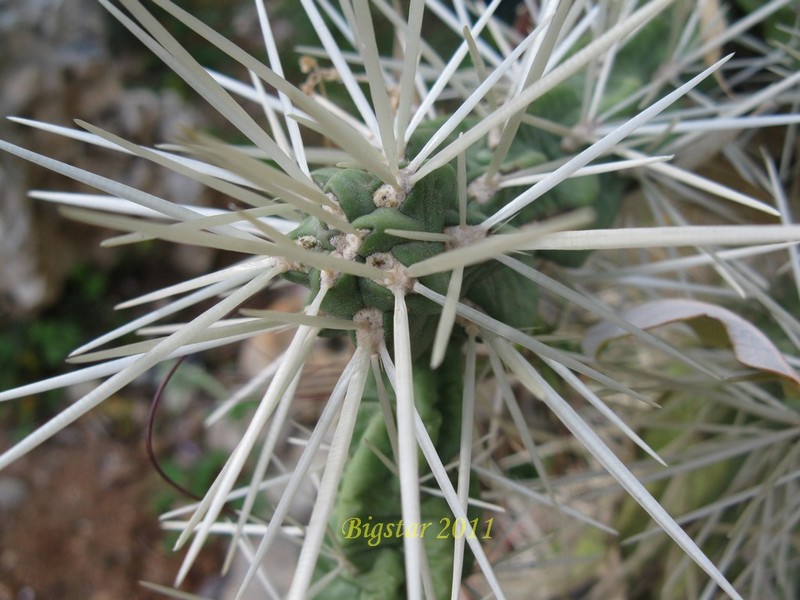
(13,492)
(57,65)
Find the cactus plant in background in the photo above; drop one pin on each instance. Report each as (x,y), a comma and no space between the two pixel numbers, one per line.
(459,218)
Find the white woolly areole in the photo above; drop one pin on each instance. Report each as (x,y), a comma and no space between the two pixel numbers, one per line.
(287,264)
(347,244)
(370,330)
(334,211)
(388,196)
(396,279)
(404,182)
(328,278)
(465,235)
(482,190)
(309,242)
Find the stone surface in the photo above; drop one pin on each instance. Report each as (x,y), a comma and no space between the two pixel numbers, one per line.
(56,64)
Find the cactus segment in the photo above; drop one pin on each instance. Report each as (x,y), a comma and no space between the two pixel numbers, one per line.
(370,490)
(367,204)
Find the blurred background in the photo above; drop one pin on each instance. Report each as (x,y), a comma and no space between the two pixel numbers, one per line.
(78,516)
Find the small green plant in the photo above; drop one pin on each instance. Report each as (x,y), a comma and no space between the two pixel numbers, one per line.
(459,230)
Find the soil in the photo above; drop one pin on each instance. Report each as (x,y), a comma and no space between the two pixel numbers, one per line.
(83,524)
